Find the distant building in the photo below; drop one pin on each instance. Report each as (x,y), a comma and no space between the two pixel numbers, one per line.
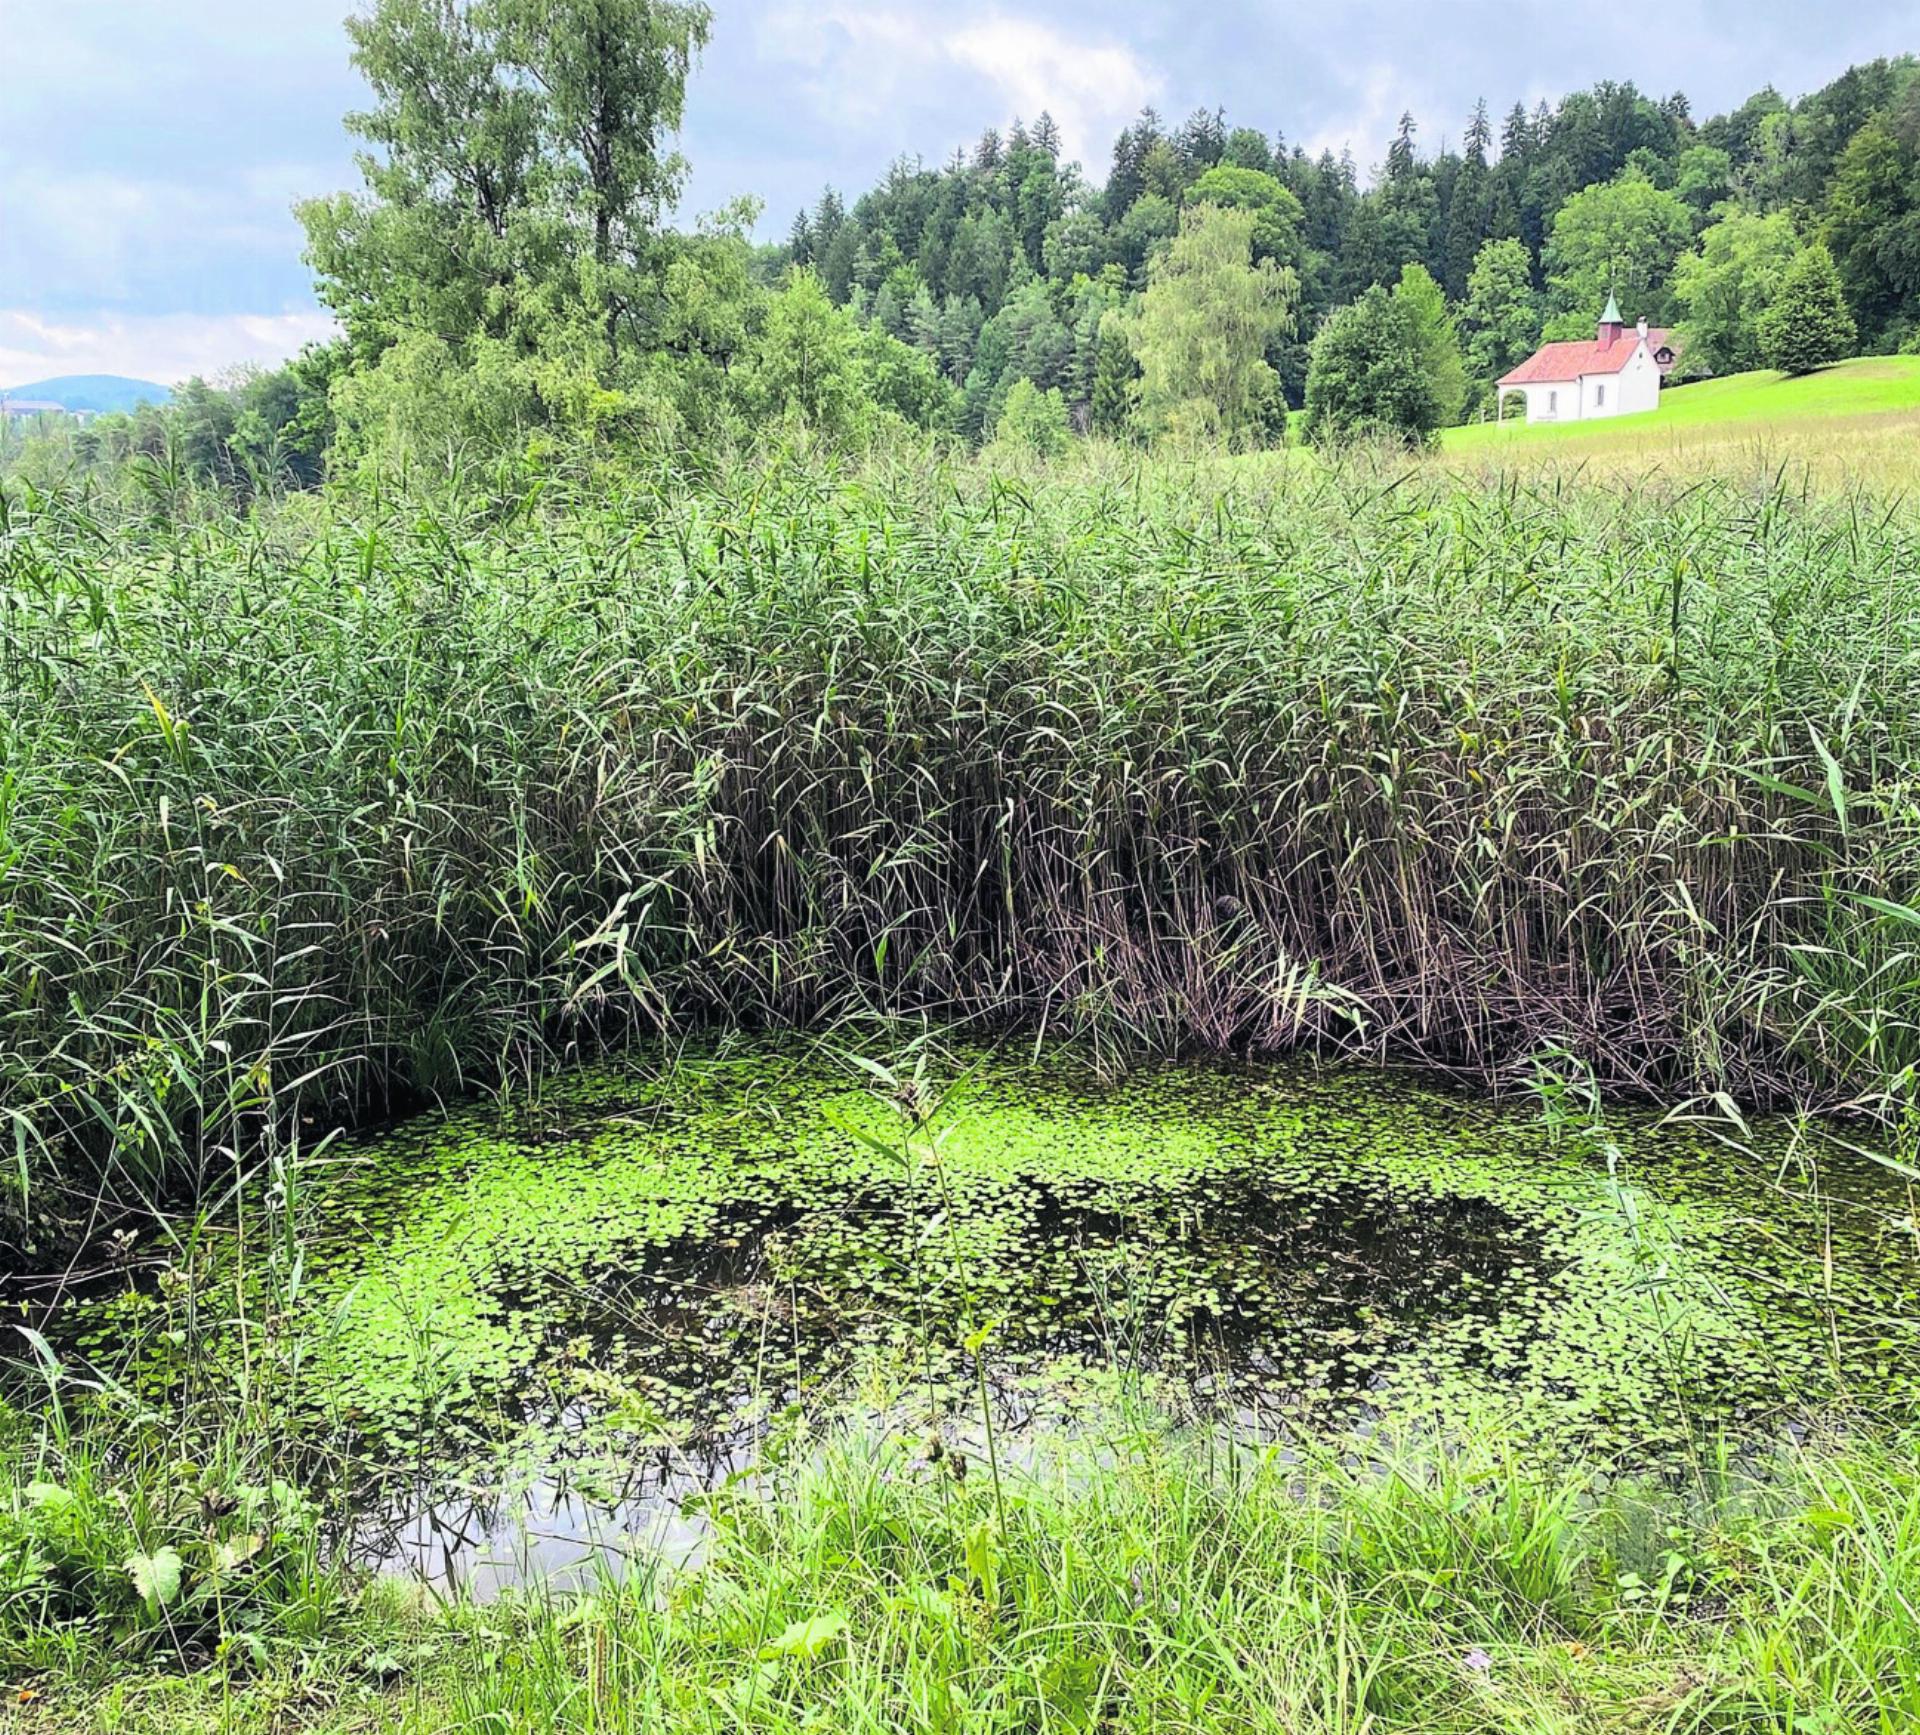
(26,409)
(1618,374)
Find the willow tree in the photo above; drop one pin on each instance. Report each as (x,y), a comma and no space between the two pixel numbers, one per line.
(1204,327)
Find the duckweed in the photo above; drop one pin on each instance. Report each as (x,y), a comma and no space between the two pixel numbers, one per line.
(691,1246)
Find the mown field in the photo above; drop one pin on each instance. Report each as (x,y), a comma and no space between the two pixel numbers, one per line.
(359,803)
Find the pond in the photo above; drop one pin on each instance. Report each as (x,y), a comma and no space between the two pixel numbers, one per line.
(559,1316)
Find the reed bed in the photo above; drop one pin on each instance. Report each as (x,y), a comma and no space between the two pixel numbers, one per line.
(340,804)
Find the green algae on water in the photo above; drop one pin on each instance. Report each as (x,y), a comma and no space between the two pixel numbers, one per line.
(692,1246)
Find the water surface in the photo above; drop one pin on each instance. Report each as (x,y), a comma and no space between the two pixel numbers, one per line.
(562,1315)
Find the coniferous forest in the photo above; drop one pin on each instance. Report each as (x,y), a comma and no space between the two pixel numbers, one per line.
(511,267)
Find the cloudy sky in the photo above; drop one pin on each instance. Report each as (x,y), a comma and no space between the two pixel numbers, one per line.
(150,149)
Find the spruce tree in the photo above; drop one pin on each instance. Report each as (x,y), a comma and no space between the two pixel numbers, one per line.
(1808,324)
(1113,375)
(800,240)
(1127,181)
(1468,207)
(1401,160)
(1516,136)
(1202,140)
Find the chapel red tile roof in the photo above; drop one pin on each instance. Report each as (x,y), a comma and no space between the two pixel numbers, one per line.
(1563,363)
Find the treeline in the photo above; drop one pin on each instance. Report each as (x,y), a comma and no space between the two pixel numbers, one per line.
(993,263)
(504,277)
(260,429)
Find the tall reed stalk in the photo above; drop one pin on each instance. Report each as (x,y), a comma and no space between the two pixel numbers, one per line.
(352,801)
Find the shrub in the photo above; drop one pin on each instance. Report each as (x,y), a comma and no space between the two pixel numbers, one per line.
(127,1549)
(1369,375)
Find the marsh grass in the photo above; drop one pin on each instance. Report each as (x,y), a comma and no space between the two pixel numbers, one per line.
(1154,1581)
(342,806)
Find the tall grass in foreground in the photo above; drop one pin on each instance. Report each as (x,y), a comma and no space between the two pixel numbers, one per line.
(1150,1582)
(1165,1588)
(332,805)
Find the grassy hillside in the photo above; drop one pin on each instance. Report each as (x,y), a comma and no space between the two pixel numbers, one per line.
(1875,393)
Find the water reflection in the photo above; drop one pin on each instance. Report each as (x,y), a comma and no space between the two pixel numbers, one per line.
(1266,1248)
(568,1527)
(1242,1303)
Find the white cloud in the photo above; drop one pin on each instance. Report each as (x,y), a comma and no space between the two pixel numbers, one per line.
(1090,88)
(164,347)
(1372,106)
(124,50)
(864,64)
(1367,115)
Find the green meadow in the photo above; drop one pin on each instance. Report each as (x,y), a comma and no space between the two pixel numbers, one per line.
(1878,394)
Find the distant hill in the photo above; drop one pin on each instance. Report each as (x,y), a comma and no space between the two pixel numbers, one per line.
(99,392)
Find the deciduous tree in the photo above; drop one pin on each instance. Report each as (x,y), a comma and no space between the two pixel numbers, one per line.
(1033,420)
(805,367)
(1438,337)
(1501,318)
(1724,287)
(521,163)
(1617,238)
(1367,378)
(1204,326)
(1873,222)
(1278,215)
